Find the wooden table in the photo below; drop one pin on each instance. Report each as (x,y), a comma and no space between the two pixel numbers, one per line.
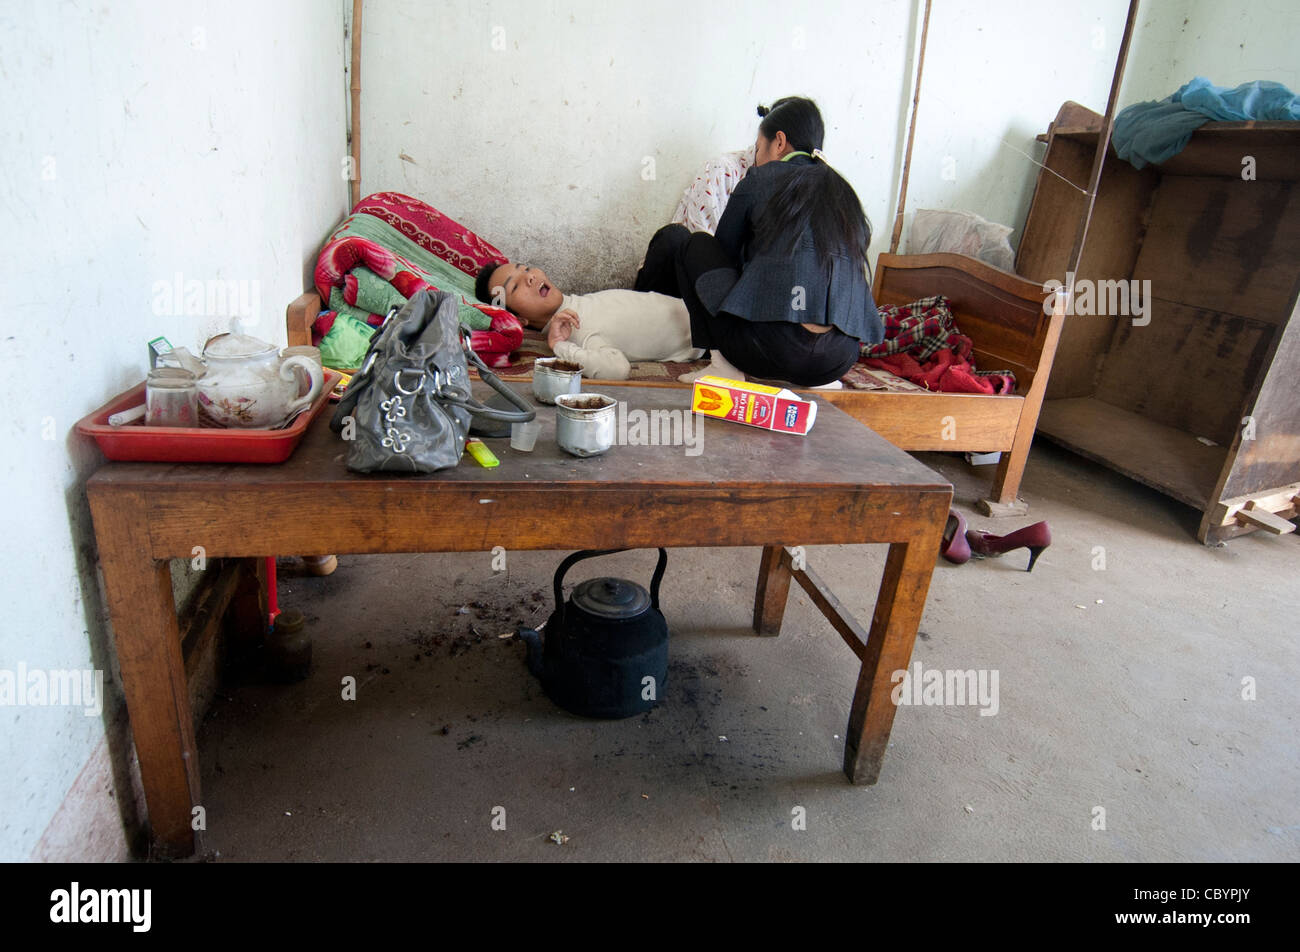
(746,487)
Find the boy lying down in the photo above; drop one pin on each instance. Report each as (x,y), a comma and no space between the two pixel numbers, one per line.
(602,332)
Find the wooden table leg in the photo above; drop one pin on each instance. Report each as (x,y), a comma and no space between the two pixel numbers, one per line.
(897,616)
(773,589)
(143,613)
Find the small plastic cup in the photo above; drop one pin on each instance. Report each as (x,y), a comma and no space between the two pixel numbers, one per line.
(523,436)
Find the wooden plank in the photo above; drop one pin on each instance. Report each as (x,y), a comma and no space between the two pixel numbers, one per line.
(1216,148)
(1114,238)
(1058,201)
(1159,456)
(299,317)
(854,635)
(1216,534)
(1011,467)
(1190,368)
(1274,500)
(1074,118)
(841,483)
(1272,457)
(772,591)
(203,624)
(535,518)
(921,421)
(903,589)
(139,595)
(838,452)
(1224,245)
(1259,517)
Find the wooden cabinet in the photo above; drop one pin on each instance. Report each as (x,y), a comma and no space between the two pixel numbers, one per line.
(1198,396)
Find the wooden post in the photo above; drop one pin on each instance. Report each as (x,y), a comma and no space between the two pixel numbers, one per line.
(888,649)
(1099,158)
(911,134)
(355,150)
(772,591)
(140,602)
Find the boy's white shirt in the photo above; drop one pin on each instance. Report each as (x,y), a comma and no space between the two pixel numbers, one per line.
(617,327)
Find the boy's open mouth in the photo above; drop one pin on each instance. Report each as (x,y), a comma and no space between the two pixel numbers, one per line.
(544,290)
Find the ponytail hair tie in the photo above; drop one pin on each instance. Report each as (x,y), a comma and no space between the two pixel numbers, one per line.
(819,154)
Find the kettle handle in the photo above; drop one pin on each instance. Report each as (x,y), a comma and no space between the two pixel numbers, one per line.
(577,557)
(658,577)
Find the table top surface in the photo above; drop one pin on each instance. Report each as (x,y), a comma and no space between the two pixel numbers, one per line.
(839,452)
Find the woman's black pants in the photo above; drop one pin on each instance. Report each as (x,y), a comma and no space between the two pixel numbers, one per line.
(696,268)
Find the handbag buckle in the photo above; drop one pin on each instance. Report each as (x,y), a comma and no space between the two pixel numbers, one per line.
(397,381)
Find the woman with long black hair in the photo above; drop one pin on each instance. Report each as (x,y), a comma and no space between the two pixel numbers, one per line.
(780,292)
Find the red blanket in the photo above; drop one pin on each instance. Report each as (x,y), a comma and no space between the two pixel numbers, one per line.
(946,372)
(495,333)
(922,344)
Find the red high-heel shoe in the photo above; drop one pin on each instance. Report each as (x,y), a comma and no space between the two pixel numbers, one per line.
(1036,538)
(954,546)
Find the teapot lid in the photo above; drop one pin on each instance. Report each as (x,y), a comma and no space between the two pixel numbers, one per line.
(612,598)
(237,345)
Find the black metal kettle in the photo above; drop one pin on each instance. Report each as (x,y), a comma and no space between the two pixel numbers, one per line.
(605,653)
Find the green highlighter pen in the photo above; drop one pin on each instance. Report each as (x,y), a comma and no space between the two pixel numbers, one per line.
(478,449)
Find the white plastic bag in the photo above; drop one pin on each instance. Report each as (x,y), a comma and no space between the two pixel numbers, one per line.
(961,232)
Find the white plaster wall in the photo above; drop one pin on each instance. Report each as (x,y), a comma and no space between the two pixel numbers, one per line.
(1227,43)
(140,140)
(539,141)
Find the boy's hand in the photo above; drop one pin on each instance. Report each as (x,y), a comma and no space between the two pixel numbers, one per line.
(561,327)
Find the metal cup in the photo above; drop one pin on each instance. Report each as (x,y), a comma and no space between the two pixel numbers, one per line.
(585,423)
(552,377)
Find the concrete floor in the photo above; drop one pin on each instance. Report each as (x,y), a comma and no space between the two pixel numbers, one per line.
(1119,689)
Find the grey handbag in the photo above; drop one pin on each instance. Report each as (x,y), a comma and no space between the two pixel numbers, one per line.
(409,406)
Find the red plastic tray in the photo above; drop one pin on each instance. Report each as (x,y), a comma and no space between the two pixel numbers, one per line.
(136,442)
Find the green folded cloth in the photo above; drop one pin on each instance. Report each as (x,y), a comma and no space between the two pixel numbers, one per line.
(348,340)
(443,276)
(374,294)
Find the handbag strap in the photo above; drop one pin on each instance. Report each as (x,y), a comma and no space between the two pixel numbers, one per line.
(525,413)
(453,395)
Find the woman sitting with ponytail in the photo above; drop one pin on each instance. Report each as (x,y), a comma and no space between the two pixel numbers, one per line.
(780,292)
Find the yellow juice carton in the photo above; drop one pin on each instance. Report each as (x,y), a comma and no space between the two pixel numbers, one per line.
(755,404)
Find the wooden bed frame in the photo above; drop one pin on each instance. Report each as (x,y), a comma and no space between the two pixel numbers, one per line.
(1002,313)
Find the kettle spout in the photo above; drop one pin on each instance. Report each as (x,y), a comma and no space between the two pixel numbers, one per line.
(533,639)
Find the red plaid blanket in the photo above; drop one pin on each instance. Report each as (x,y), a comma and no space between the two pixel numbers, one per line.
(922,344)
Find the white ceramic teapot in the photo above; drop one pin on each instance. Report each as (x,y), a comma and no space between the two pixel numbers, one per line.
(248,385)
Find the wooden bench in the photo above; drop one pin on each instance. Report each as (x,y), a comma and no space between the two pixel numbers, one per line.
(1002,313)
